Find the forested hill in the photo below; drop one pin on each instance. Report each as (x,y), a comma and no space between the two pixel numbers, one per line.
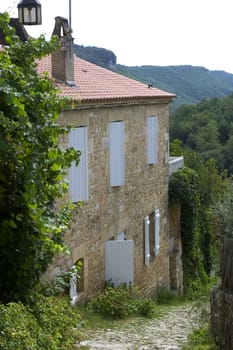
(190,84)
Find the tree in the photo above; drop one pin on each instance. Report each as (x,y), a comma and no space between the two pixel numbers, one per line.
(32,166)
(207,129)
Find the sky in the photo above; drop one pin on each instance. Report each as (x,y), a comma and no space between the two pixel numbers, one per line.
(149,32)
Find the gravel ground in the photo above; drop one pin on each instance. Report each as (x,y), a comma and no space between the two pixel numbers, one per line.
(168,332)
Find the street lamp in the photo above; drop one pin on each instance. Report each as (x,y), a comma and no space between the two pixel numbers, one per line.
(29,12)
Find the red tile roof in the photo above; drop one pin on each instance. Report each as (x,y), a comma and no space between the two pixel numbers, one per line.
(95,84)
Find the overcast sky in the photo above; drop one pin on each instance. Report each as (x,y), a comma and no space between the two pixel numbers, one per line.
(149,32)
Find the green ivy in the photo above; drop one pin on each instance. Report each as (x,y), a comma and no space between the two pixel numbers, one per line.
(184,189)
(196,188)
(32,166)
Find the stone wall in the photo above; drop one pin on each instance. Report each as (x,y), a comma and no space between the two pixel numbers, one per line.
(222,318)
(111,210)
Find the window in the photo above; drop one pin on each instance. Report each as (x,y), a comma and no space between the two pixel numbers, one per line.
(152,235)
(79,174)
(152,141)
(116,136)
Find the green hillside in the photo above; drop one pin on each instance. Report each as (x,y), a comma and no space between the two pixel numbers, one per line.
(190,84)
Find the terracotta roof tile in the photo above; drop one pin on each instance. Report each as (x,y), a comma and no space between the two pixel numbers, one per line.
(97,84)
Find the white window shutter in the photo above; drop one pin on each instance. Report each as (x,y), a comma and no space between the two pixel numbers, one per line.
(157,231)
(152,142)
(147,240)
(119,262)
(79,174)
(116,136)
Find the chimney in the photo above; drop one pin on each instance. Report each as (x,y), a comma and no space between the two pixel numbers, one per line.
(63,58)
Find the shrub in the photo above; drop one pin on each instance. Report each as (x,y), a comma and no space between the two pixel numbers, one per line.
(18,328)
(50,325)
(113,302)
(121,302)
(146,307)
(59,323)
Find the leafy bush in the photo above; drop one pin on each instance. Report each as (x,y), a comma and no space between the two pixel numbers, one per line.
(113,302)
(50,325)
(18,328)
(58,321)
(121,302)
(146,307)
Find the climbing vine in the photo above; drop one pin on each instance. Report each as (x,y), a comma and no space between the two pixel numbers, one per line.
(184,190)
(195,190)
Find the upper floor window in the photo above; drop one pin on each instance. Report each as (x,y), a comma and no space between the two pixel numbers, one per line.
(116,137)
(79,174)
(152,140)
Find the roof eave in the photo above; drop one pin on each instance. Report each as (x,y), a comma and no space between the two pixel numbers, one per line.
(123,100)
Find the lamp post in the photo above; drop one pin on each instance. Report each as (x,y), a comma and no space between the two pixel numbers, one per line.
(70,10)
(29,12)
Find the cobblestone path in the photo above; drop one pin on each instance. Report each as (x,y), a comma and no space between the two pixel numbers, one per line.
(168,332)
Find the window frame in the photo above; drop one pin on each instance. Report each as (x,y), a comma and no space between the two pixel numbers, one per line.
(151,236)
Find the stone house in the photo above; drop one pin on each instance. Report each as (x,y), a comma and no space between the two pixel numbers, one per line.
(121,231)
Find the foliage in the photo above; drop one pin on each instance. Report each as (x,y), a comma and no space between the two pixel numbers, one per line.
(200,339)
(50,325)
(58,286)
(145,307)
(195,187)
(32,166)
(121,302)
(184,190)
(207,129)
(223,210)
(58,320)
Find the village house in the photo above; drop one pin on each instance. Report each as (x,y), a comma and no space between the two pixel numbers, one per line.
(121,126)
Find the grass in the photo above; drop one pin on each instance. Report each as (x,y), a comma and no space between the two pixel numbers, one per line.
(200,339)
